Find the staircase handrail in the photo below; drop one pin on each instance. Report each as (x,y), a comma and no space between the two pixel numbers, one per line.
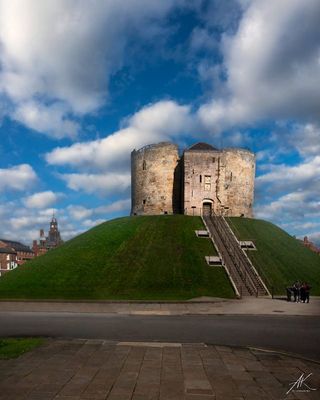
(239,264)
(250,263)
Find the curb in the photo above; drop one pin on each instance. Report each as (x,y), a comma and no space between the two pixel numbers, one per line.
(116,301)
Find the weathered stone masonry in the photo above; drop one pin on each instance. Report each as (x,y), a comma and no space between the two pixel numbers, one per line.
(202,181)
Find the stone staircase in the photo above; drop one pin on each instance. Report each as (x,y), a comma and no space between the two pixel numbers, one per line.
(241,271)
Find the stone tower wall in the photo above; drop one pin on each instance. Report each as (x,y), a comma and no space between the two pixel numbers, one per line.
(199,167)
(224,179)
(239,181)
(153,171)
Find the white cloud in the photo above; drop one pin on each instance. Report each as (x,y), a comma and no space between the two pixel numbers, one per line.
(19,177)
(285,178)
(49,119)
(41,199)
(119,205)
(306,138)
(98,183)
(21,223)
(291,206)
(314,237)
(202,40)
(79,212)
(62,54)
(288,195)
(154,123)
(89,223)
(25,220)
(272,65)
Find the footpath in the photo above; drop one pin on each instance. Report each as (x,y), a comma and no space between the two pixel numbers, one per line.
(98,370)
(200,306)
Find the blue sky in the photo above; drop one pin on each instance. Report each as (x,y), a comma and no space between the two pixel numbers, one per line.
(82,83)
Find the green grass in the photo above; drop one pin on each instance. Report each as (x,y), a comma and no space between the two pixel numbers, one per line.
(12,348)
(281,259)
(143,258)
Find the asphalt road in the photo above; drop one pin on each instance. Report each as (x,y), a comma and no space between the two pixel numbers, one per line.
(294,334)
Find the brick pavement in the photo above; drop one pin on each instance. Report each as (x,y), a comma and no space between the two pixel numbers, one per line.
(96,369)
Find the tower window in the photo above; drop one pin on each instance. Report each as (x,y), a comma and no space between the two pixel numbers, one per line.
(200,178)
(144,201)
(144,165)
(207,182)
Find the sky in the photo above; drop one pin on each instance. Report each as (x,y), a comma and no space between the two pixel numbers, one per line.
(84,82)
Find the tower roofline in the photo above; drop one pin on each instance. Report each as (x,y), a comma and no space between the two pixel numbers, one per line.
(201,146)
(154,146)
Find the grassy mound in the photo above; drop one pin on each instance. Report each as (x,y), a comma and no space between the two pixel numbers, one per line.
(156,257)
(280,259)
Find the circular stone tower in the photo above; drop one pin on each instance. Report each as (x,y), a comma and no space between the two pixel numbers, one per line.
(153,171)
(239,181)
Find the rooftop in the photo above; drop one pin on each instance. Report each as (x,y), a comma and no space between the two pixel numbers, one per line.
(7,250)
(201,146)
(17,246)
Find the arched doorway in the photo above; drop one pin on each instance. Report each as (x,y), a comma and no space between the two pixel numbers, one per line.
(207,208)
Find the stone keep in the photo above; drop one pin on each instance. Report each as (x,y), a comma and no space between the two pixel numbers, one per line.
(202,181)
(153,179)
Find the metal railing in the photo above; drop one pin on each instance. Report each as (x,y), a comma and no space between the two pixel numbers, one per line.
(238,276)
(239,266)
(271,288)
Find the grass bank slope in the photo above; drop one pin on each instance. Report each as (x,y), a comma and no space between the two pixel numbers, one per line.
(156,257)
(281,259)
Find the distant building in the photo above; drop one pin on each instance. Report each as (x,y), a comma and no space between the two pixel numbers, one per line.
(53,240)
(306,242)
(12,254)
(8,259)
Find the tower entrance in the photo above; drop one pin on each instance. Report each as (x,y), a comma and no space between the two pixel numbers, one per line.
(206,208)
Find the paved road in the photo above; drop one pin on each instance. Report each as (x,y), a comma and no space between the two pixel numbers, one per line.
(299,335)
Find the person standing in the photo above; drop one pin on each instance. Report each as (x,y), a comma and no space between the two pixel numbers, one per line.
(296,291)
(303,292)
(289,293)
(307,289)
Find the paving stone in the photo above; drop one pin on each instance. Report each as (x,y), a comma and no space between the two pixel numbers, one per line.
(199,397)
(41,396)
(78,370)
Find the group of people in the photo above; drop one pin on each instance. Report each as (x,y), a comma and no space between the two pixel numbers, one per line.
(299,291)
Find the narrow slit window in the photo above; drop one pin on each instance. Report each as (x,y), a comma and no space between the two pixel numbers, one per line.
(200,178)
(144,165)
